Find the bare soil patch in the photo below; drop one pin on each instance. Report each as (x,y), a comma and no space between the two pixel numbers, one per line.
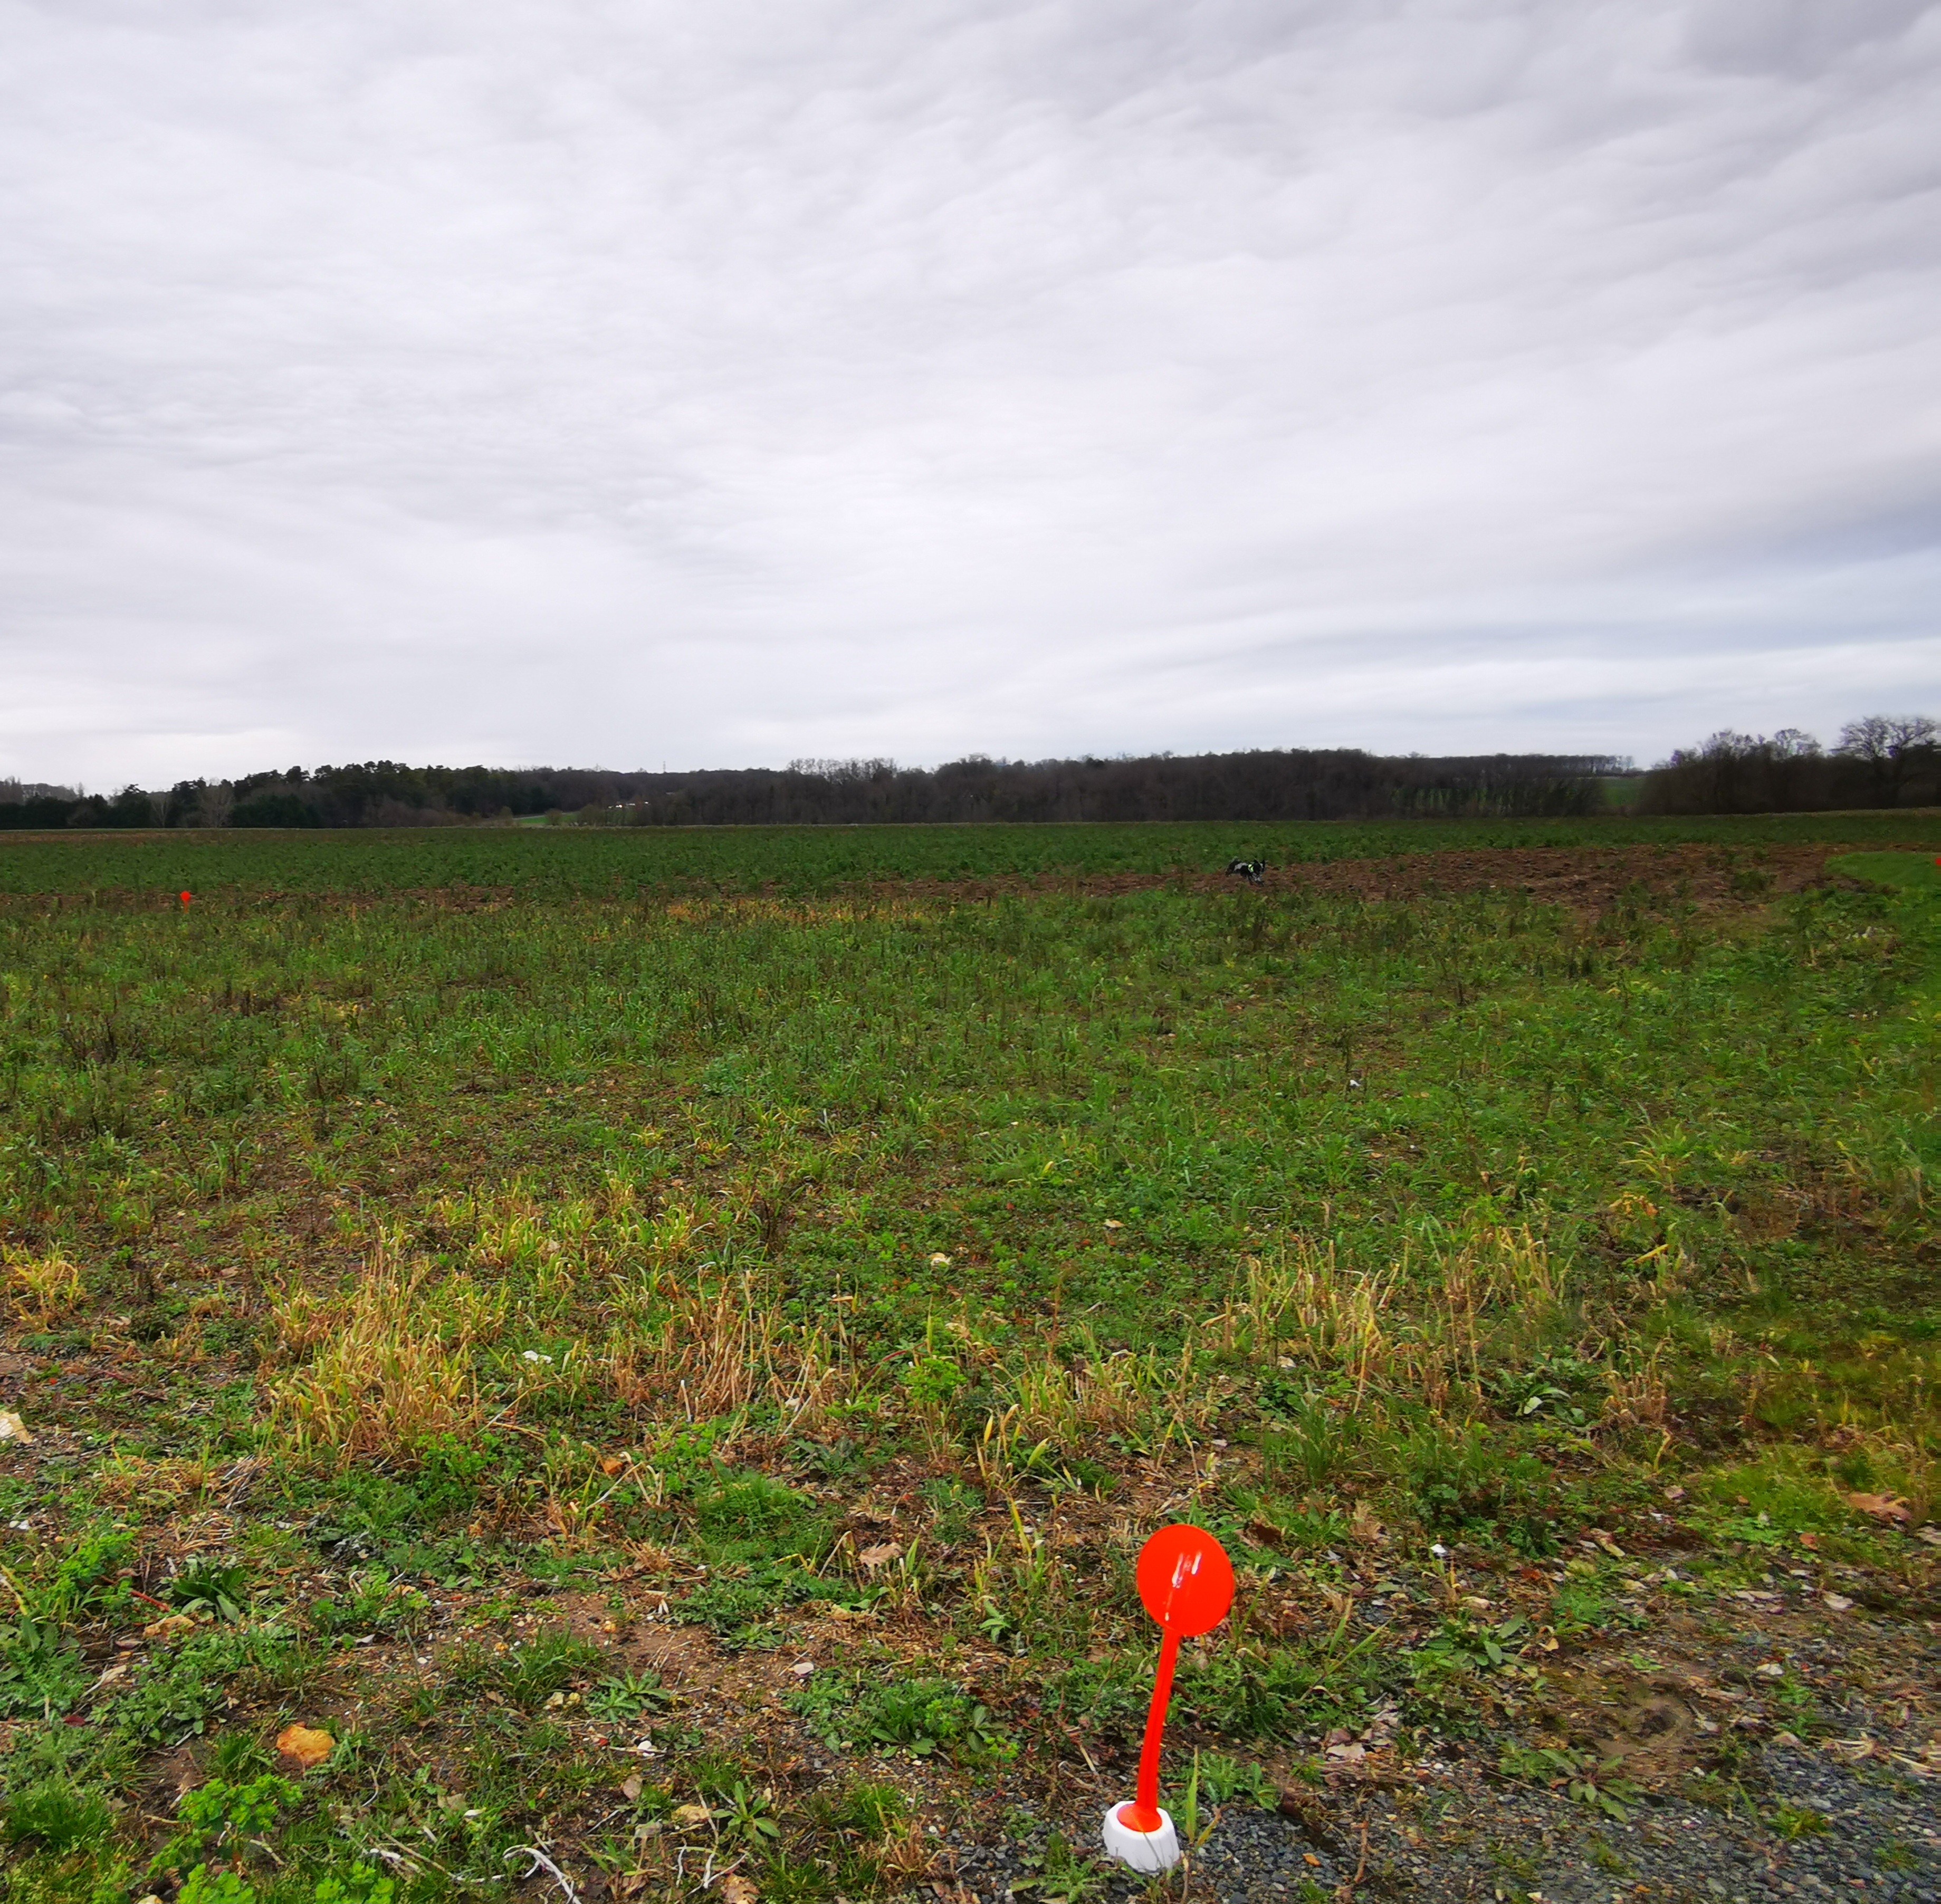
(1587,879)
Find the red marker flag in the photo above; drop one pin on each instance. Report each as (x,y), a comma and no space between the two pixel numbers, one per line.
(1186,1583)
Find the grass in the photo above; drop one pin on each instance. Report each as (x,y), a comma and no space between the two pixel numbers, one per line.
(500,1332)
(1914,872)
(604,862)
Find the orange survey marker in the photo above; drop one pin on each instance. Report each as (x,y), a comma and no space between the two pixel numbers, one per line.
(1186,1583)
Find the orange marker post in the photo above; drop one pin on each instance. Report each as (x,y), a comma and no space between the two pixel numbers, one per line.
(1186,1583)
(185,898)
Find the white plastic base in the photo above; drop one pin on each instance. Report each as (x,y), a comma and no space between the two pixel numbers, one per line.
(1149,1851)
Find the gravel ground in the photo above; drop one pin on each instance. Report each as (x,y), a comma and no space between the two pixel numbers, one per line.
(1449,1831)
(1780,1741)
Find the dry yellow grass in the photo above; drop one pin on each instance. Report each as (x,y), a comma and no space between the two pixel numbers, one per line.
(385,1376)
(42,1289)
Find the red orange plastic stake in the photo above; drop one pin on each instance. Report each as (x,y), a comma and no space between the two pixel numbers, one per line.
(185,899)
(1186,1583)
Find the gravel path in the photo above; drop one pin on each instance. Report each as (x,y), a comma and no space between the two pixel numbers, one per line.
(1866,1830)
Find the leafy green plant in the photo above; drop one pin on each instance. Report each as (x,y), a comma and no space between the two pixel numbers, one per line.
(86,1580)
(40,1670)
(628,1696)
(205,1885)
(1469,1643)
(217,1812)
(745,1815)
(1063,1875)
(922,1717)
(376,1602)
(1603,1787)
(219,1589)
(1548,1389)
(1312,1440)
(1467,1478)
(1223,1779)
(931,1380)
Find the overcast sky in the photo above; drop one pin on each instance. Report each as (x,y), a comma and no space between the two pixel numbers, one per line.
(608,381)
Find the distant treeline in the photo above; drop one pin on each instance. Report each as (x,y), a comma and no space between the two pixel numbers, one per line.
(1339,783)
(1882,761)
(1885,760)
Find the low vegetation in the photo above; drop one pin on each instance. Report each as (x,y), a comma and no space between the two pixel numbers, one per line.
(669,1383)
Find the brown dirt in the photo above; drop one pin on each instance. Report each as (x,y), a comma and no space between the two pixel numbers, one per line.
(1585,879)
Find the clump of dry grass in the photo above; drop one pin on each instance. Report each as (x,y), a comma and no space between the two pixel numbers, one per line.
(1397,1330)
(43,1288)
(1095,1393)
(1300,1304)
(171,1484)
(708,1355)
(691,1353)
(386,1373)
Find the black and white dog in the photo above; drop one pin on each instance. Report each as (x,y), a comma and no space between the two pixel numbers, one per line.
(1250,870)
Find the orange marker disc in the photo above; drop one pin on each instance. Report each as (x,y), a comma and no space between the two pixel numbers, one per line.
(1186,1581)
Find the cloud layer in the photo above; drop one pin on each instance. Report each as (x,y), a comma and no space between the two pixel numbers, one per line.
(624,383)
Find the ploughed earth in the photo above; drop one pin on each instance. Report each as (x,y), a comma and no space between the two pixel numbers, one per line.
(1587,878)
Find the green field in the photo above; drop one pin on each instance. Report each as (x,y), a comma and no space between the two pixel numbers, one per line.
(1919,872)
(496,1296)
(592,862)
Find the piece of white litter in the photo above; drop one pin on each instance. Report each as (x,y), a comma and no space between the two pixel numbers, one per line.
(533,1355)
(12,1428)
(802,1668)
(540,1862)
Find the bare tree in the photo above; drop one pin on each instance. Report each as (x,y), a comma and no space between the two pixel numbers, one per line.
(1893,746)
(215,804)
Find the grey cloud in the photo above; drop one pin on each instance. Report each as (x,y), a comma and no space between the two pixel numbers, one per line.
(590,382)
(1795,37)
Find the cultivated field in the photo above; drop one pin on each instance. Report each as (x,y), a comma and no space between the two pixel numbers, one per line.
(657,1351)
